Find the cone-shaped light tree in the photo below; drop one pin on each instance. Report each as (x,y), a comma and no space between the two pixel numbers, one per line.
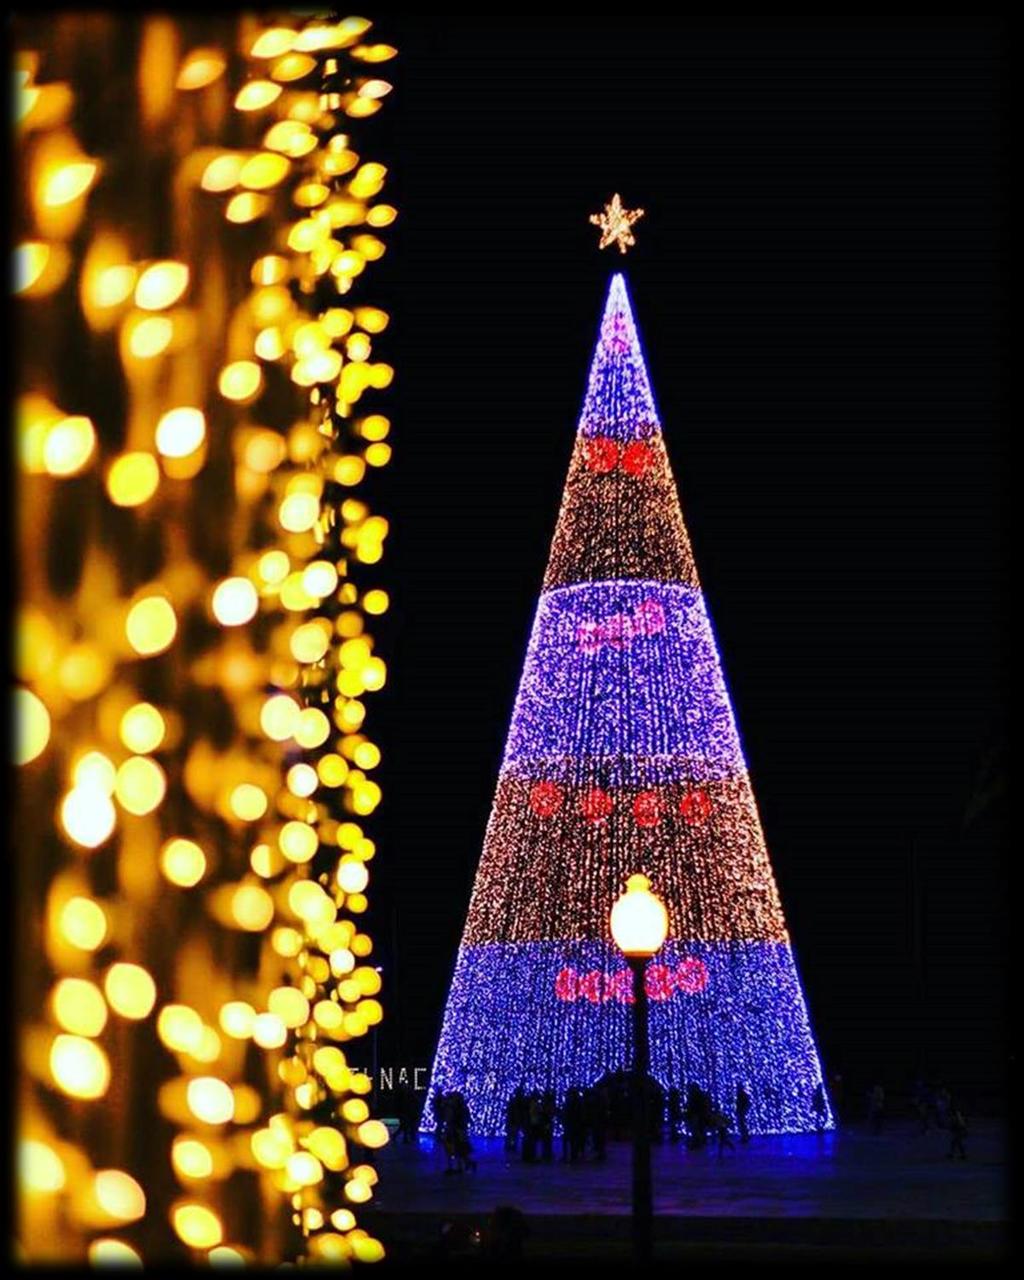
(623,756)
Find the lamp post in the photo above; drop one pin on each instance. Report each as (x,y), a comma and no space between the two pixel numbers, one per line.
(639,925)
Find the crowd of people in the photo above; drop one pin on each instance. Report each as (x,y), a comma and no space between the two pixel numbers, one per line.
(588,1118)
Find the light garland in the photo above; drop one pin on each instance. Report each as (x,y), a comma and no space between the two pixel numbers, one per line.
(623,756)
(195,649)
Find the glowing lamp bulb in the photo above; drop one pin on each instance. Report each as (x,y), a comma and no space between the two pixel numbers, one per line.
(639,921)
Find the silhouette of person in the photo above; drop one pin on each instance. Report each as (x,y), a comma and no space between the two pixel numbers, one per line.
(515,1118)
(573,1126)
(532,1128)
(548,1111)
(698,1116)
(596,1106)
(456,1134)
(743,1105)
(655,1097)
(444,1110)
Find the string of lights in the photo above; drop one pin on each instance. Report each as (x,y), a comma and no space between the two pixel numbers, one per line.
(198,559)
(623,756)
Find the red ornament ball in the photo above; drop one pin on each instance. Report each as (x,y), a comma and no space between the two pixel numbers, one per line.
(595,804)
(546,799)
(659,982)
(695,807)
(619,986)
(637,458)
(600,454)
(647,809)
(591,987)
(691,975)
(566,984)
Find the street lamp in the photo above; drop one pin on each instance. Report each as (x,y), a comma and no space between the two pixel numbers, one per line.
(639,924)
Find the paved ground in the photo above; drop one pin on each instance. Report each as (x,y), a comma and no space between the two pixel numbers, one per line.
(850,1174)
(802,1194)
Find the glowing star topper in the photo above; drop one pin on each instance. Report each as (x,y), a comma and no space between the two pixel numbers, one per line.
(615,223)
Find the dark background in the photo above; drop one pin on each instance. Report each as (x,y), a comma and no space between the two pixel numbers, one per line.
(817,281)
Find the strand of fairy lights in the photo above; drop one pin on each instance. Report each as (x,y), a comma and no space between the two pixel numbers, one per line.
(218,1100)
(330,996)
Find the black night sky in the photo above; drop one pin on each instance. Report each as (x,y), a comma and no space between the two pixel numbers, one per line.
(817,283)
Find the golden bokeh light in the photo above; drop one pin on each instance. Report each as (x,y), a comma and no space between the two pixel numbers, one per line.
(68,183)
(87,816)
(183,862)
(198,1226)
(119,1195)
(241,380)
(40,1168)
(133,478)
(141,785)
(210,1100)
(106,1252)
(269,1031)
(235,602)
(151,625)
(257,95)
(252,907)
(142,728)
(248,802)
(191,1158)
(200,68)
(237,1018)
(79,1007)
(79,1067)
(83,923)
(130,990)
(31,726)
(161,285)
(180,432)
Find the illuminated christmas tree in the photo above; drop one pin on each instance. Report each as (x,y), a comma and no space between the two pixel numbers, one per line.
(623,756)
